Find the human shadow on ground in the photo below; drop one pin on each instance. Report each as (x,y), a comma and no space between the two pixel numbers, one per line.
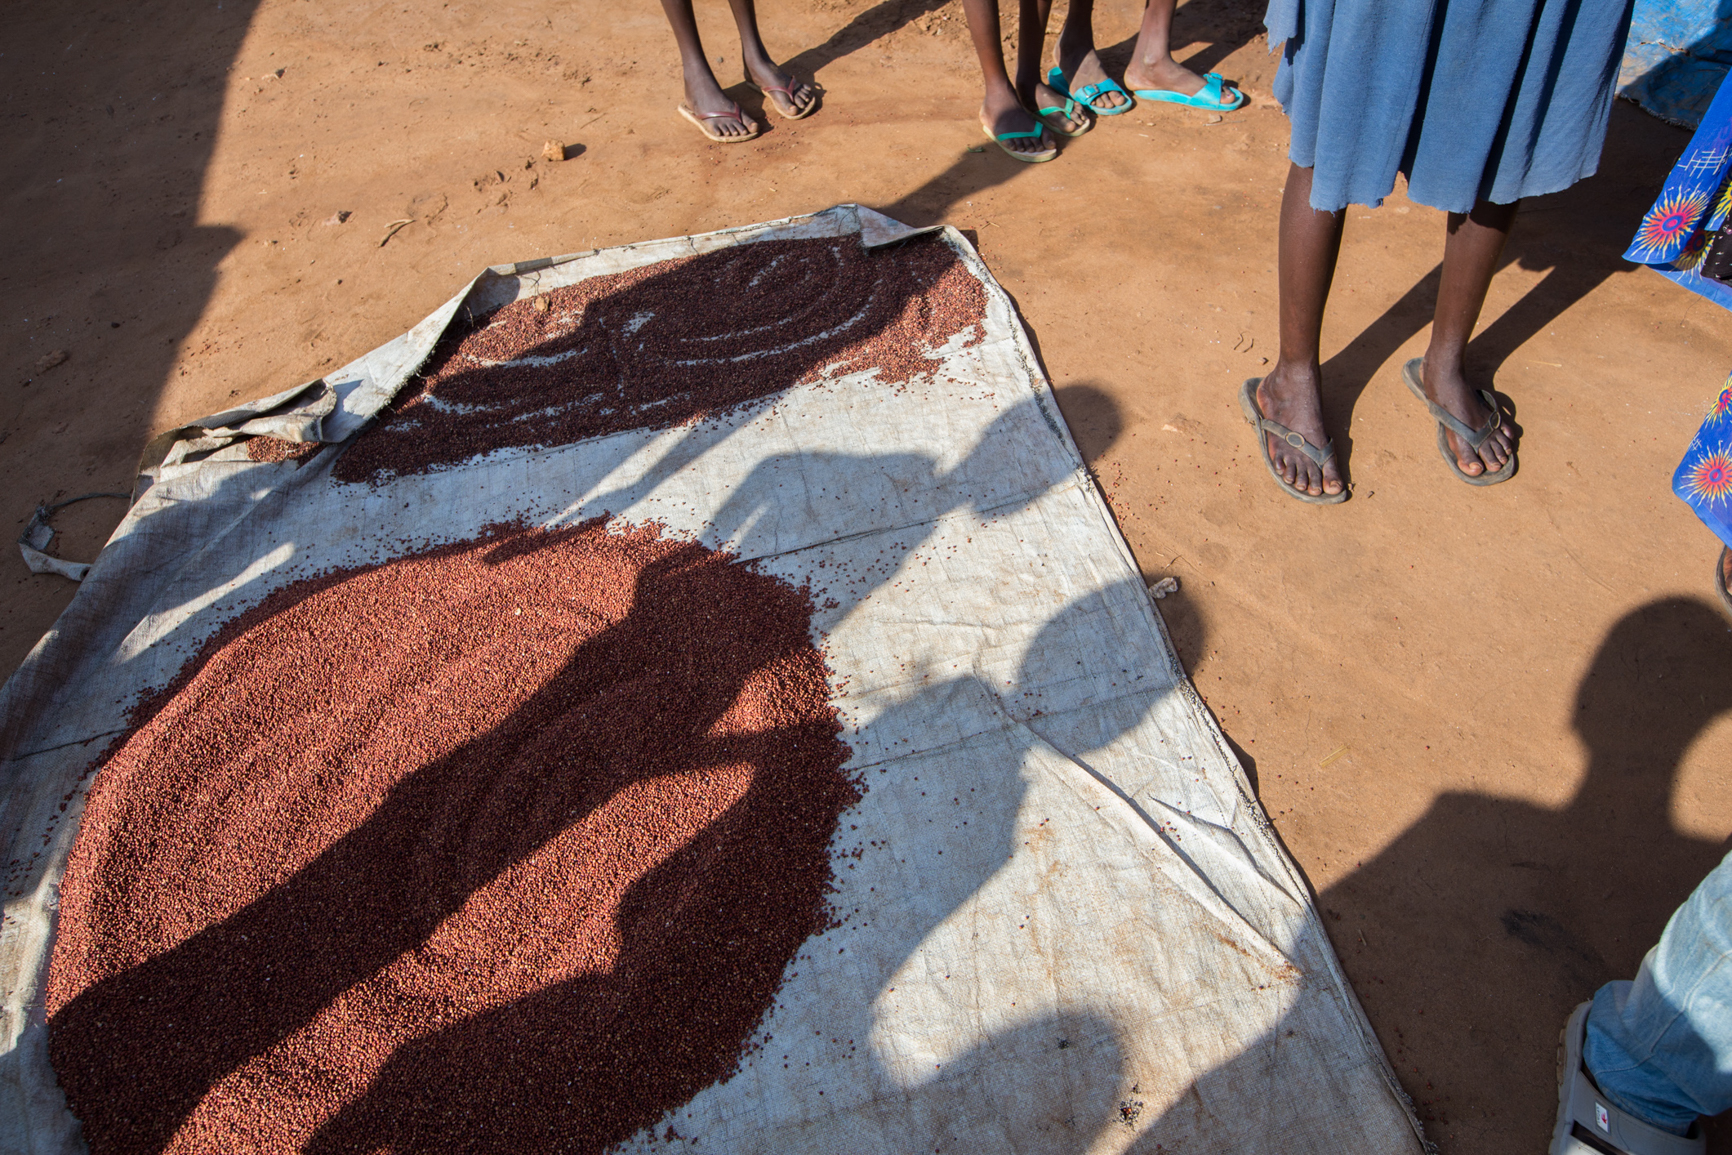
(1578,237)
(114,110)
(877,21)
(1470,937)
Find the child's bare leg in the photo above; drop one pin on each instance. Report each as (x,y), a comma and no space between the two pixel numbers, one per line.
(1000,110)
(1152,64)
(703,95)
(1031,89)
(1076,54)
(792,96)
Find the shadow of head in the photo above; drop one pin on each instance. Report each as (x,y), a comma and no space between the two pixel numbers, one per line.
(1657,681)
(1656,684)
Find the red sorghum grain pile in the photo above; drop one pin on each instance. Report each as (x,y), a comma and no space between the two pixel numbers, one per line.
(276,449)
(671,342)
(499,847)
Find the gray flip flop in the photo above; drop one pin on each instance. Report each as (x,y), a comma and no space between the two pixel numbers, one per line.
(1589,1124)
(1410,373)
(1254,414)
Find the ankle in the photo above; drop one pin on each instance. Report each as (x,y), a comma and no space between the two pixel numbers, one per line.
(758,62)
(1443,368)
(1075,43)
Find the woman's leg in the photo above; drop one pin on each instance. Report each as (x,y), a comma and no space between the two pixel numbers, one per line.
(1310,244)
(1000,110)
(703,95)
(1152,65)
(795,95)
(1076,53)
(1474,242)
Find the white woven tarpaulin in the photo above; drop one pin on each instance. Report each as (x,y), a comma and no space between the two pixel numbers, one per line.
(1070,928)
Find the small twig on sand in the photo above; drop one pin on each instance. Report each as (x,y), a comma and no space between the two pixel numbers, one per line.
(392,229)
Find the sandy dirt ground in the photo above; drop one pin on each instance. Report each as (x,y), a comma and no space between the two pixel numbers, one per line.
(1491,724)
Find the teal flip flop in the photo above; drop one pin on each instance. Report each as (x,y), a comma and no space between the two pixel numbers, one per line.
(1068,111)
(999,139)
(1212,96)
(1087,93)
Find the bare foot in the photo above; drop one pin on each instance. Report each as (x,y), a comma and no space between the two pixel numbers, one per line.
(1168,75)
(1289,395)
(724,118)
(1040,96)
(1003,113)
(1449,388)
(1081,68)
(793,97)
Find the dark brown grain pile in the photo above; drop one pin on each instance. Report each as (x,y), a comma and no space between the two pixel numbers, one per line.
(673,342)
(500,847)
(272,449)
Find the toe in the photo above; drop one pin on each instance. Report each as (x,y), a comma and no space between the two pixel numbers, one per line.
(1466,459)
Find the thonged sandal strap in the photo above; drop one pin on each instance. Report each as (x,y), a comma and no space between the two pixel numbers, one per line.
(1474,437)
(1297,441)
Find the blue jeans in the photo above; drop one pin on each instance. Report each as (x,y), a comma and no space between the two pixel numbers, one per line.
(1661,1047)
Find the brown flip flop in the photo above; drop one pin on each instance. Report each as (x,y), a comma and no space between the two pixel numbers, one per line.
(739,114)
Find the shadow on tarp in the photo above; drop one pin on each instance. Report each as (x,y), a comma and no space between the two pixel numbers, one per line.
(652,353)
(237,988)
(460,1085)
(363,903)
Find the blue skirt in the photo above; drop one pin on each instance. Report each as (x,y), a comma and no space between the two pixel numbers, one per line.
(1469,99)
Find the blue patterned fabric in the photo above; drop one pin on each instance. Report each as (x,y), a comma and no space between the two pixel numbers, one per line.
(1704,477)
(1692,206)
(1469,99)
